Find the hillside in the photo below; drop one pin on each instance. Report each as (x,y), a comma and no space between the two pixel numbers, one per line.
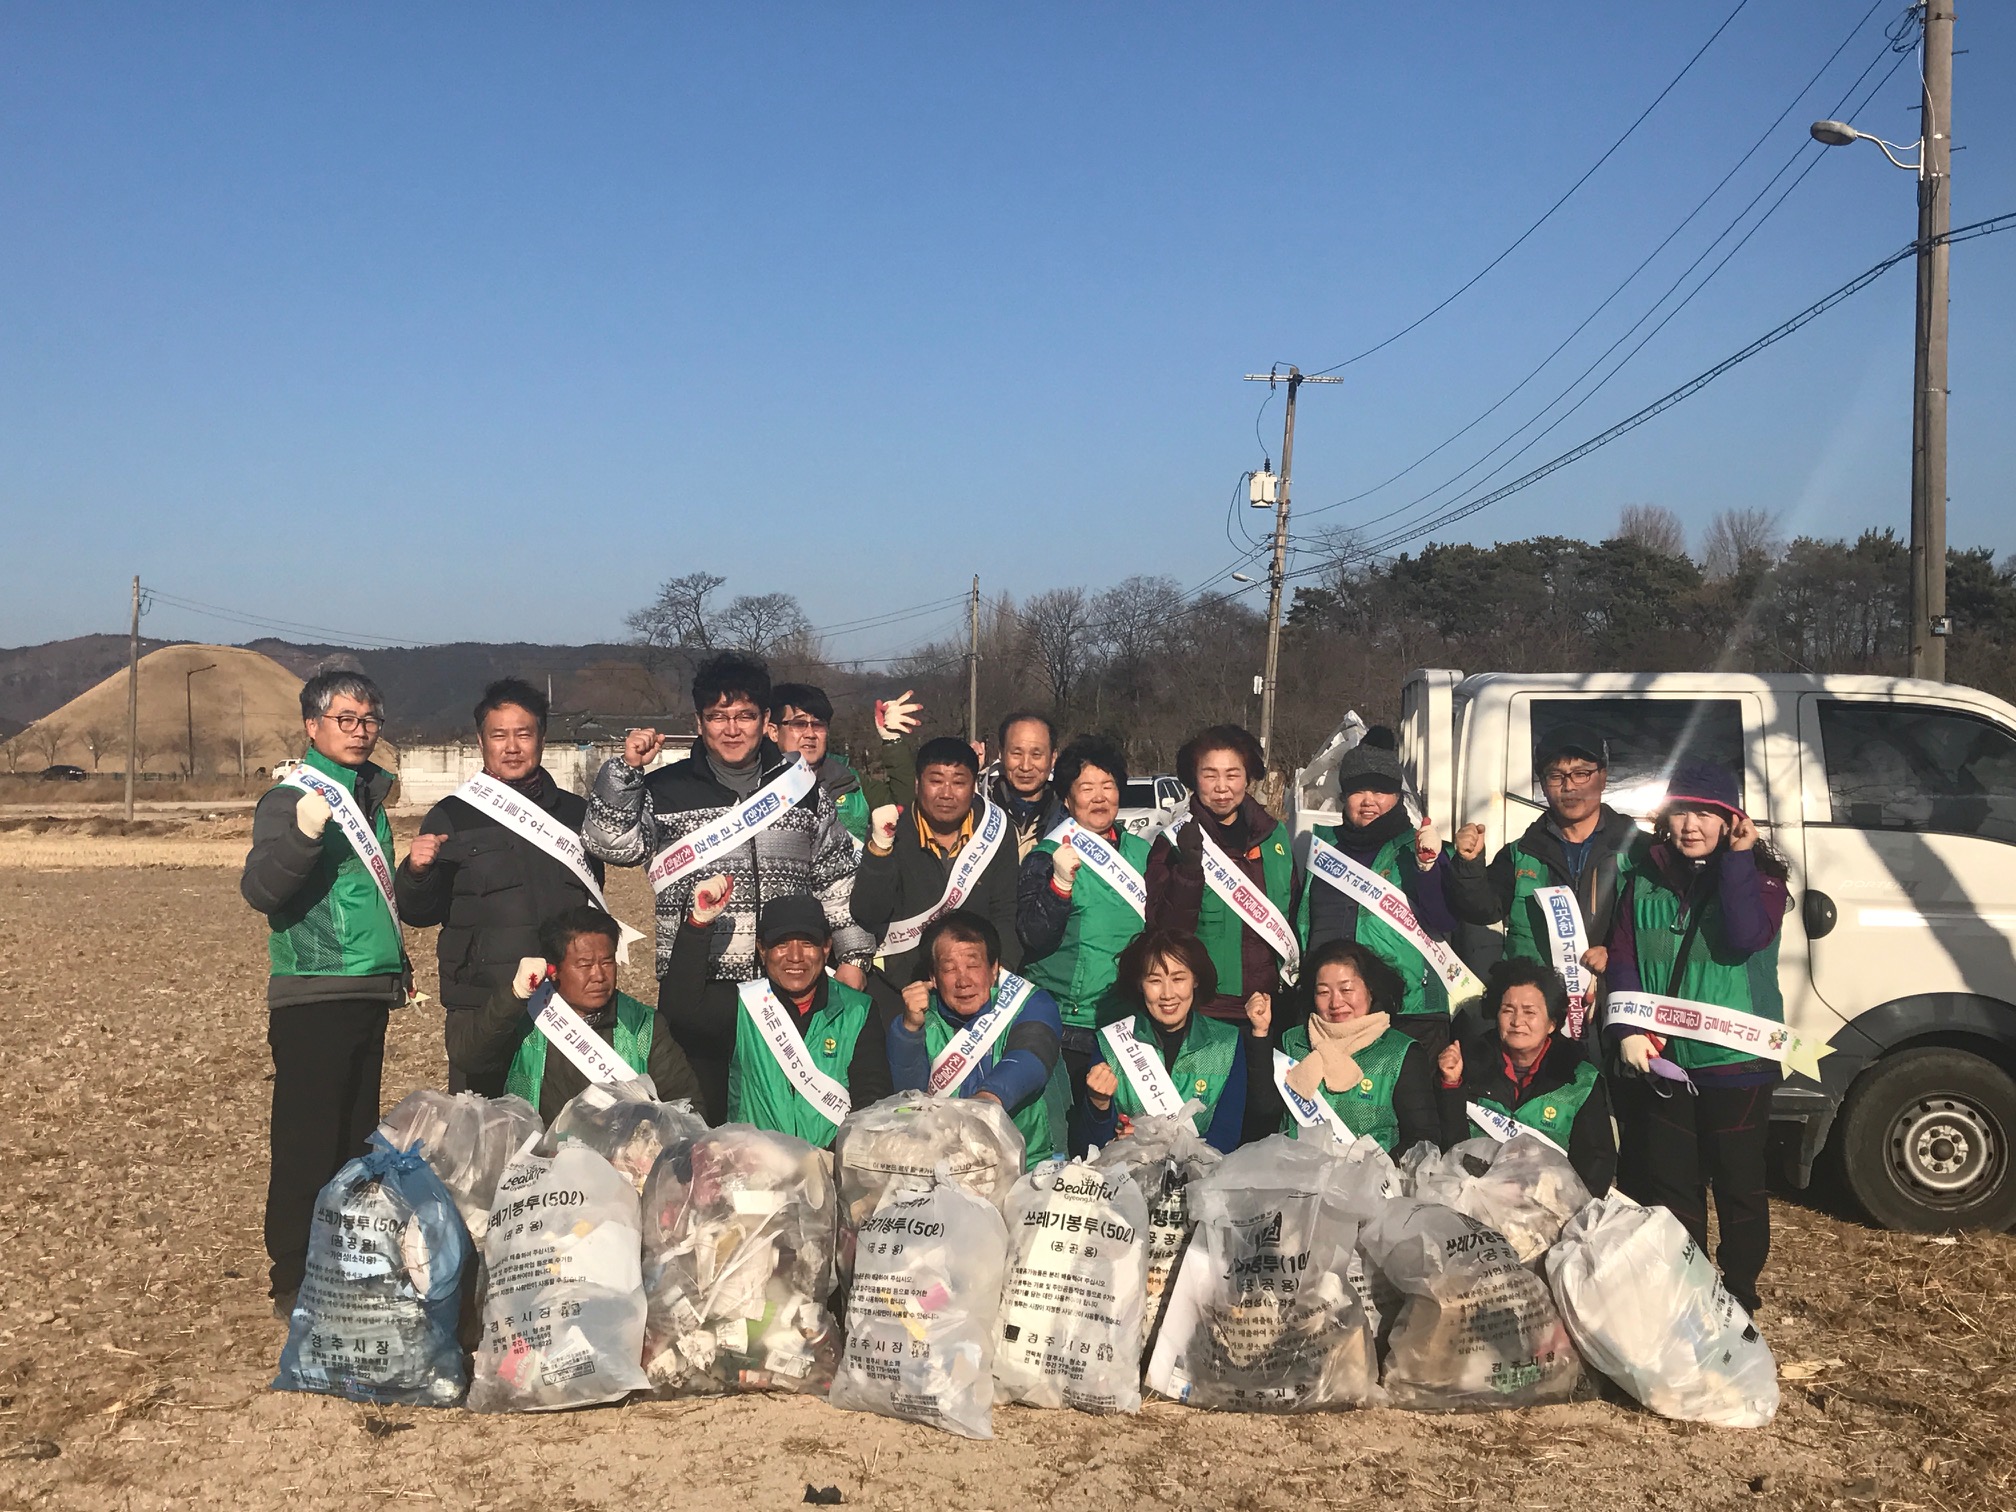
(37,679)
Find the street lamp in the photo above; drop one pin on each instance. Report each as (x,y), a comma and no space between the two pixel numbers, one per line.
(189,708)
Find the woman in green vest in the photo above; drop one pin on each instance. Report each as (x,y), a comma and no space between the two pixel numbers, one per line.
(580,965)
(1183,1055)
(1700,921)
(1373,1078)
(1526,1071)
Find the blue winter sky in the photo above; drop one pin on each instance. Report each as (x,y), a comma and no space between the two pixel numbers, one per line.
(478,322)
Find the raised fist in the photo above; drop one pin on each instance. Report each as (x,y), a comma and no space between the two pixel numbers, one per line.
(311,814)
(916,1004)
(897,717)
(1596,958)
(421,857)
(882,828)
(1100,1085)
(526,979)
(1450,1064)
(710,897)
(1470,841)
(1260,1013)
(1427,843)
(1742,832)
(1064,864)
(639,746)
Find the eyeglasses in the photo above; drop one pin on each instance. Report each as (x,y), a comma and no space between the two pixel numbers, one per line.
(1569,777)
(350,724)
(806,725)
(720,719)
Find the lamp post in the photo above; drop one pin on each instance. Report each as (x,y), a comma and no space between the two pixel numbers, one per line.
(189,708)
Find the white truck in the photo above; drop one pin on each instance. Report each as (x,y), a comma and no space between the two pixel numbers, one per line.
(1893,801)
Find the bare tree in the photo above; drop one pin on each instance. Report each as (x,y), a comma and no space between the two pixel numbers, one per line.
(1056,640)
(679,617)
(44,739)
(768,624)
(1653,526)
(1740,540)
(1134,621)
(100,741)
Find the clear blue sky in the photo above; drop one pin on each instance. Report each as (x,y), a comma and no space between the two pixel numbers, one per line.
(461,322)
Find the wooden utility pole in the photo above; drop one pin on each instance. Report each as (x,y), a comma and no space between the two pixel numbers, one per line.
(973,664)
(1929,622)
(132,699)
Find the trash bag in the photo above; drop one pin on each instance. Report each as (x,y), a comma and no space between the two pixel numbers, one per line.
(1477,1330)
(914,1138)
(1525,1188)
(1262,1316)
(1648,1309)
(563,1319)
(626,1125)
(467,1139)
(1077,1289)
(375,1316)
(738,1264)
(921,1316)
(1163,1155)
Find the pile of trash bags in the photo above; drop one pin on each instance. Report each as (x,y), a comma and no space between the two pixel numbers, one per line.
(466,1139)
(1524,1188)
(915,1138)
(626,1125)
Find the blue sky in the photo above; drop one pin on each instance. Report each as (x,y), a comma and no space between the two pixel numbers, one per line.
(471,322)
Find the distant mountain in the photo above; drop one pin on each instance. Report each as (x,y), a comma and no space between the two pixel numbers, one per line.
(37,680)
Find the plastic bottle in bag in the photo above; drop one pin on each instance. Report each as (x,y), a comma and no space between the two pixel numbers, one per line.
(1648,1309)
(1163,1155)
(375,1316)
(563,1319)
(915,1138)
(626,1125)
(1077,1290)
(921,1315)
(1525,1188)
(467,1139)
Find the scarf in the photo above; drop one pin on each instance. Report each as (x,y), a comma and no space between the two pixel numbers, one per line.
(1362,845)
(1329,1062)
(537,785)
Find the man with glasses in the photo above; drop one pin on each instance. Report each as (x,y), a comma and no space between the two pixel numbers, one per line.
(320,869)
(801,725)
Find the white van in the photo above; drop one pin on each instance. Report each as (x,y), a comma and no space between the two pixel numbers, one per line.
(1894,802)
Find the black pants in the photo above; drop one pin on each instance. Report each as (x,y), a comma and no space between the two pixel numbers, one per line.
(487,1083)
(1079,1049)
(1683,1145)
(327,1058)
(705,1030)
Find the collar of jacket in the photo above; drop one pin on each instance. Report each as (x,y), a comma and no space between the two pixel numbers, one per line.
(1043,808)
(1556,1069)
(1543,839)
(369,782)
(770,763)
(790,1002)
(927,842)
(837,776)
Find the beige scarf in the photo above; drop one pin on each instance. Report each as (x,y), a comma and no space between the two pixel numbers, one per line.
(1331,1048)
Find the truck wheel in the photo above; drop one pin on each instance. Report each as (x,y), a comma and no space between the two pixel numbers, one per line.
(1928,1141)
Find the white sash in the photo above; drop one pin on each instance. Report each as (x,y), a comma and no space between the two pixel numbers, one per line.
(1730,1028)
(516,812)
(566,1031)
(1250,903)
(787,1047)
(1143,1069)
(1502,1128)
(966,869)
(950,1065)
(1567,940)
(343,809)
(1307,1111)
(740,824)
(1389,900)
(1106,863)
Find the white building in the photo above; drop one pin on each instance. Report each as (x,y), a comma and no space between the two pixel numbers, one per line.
(429,773)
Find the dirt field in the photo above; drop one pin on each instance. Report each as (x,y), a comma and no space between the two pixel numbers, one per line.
(136,1341)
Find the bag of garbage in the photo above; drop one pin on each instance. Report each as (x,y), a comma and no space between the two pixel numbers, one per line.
(626,1125)
(563,1320)
(1477,1330)
(1262,1316)
(375,1316)
(915,1138)
(738,1264)
(467,1139)
(921,1316)
(1525,1188)
(1077,1289)
(1648,1309)
(1163,1155)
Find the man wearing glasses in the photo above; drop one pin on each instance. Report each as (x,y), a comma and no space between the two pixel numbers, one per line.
(320,869)
(739,807)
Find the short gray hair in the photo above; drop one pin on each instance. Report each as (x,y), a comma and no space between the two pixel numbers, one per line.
(324,688)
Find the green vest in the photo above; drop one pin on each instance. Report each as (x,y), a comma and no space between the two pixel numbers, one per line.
(1527,936)
(852,807)
(1421,990)
(1043,1120)
(1203,1066)
(1223,931)
(1715,973)
(634,1022)
(1552,1113)
(1368,1107)
(760,1093)
(1080,972)
(338,923)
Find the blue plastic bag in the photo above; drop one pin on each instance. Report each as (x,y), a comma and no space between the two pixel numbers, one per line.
(375,1318)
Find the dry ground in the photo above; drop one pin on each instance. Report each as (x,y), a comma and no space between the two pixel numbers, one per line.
(136,1342)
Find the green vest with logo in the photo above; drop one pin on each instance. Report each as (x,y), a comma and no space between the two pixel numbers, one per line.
(1368,1107)
(1527,934)
(1081,971)
(1552,1113)
(1223,931)
(1043,1119)
(760,1093)
(632,1044)
(338,924)
(1203,1066)
(1421,990)
(1714,972)
(853,806)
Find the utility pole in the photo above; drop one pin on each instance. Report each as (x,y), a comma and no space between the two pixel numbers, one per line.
(1929,622)
(132,699)
(973,664)
(241,733)
(1278,570)
(189,707)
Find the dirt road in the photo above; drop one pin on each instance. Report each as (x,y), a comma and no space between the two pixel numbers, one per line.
(136,1341)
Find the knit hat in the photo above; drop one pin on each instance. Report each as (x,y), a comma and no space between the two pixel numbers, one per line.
(1703,783)
(795,917)
(1372,763)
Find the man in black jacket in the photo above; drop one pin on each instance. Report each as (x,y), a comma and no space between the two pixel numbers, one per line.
(476,870)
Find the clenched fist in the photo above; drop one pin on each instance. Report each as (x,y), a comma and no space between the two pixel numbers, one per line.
(916,1004)
(710,897)
(1596,959)
(1100,1085)
(882,828)
(639,746)
(1427,844)
(897,717)
(1260,1013)
(1470,841)
(1637,1051)
(311,815)
(421,857)
(1064,863)
(1450,1064)
(526,979)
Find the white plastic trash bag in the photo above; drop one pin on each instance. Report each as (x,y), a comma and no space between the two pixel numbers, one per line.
(563,1319)
(1077,1288)
(467,1139)
(1163,1155)
(1262,1316)
(1647,1308)
(1525,1188)
(915,1138)
(922,1309)
(738,1264)
(1477,1330)
(626,1124)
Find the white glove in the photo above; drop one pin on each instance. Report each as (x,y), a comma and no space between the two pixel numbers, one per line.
(710,898)
(897,717)
(311,814)
(1064,863)
(882,829)
(526,979)
(1637,1051)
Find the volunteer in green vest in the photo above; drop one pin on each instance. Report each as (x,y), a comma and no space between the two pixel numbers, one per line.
(1219,766)
(1700,921)
(1202,1060)
(824,1037)
(1524,1071)
(1075,919)
(579,966)
(337,964)
(1376,834)
(957,1035)
(1375,1079)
